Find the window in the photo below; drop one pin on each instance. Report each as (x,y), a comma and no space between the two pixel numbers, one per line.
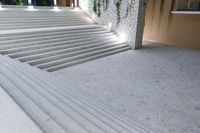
(188,5)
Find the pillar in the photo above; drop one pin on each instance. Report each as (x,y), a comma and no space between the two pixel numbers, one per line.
(55,2)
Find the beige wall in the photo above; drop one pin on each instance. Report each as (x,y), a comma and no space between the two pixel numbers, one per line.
(174,29)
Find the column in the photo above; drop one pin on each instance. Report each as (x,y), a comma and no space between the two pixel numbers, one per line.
(29,2)
(55,2)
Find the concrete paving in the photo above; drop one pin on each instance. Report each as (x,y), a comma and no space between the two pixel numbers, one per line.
(12,118)
(159,85)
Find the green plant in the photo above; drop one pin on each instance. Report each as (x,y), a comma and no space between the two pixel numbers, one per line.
(21,2)
(129,8)
(118,10)
(105,4)
(96,7)
(8,2)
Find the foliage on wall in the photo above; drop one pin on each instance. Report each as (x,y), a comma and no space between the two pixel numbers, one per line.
(97,6)
(25,2)
(118,10)
(8,2)
(118,3)
(105,4)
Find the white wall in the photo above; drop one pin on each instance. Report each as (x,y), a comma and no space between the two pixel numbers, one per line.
(130,27)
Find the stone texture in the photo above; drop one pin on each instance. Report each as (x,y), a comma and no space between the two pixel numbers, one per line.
(157,84)
(132,25)
(12,118)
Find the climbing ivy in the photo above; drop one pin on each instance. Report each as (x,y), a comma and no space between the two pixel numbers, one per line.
(129,8)
(118,8)
(97,6)
(105,3)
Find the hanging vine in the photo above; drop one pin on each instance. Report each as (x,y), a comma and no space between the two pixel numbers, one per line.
(97,6)
(129,8)
(118,8)
(105,4)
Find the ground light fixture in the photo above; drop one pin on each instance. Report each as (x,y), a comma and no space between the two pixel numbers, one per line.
(122,37)
(56,9)
(31,8)
(1,8)
(76,9)
(109,26)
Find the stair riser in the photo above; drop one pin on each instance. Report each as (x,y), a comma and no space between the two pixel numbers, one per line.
(43,55)
(55,38)
(63,61)
(70,54)
(48,34)
(113,114)
(42,26)
(84,27)
(34,52)
(55,20)
(51,45)
(83,105)
(85,59)
(59,42)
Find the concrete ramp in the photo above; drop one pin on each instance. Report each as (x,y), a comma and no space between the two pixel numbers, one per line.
(60,109)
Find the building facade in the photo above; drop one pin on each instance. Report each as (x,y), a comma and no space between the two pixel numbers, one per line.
(174,22)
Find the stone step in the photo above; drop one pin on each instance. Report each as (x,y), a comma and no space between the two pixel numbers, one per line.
(45,48)
(41,26)
(68,48)
(51,53)
(46,21)
(38,44)
(51,38)
(47,24)
(47,33)
(55,64)
(40,31)
(69,54)
(67,102)
(82,96)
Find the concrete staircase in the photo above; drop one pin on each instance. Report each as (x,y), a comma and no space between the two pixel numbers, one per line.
(56,108)
(14,17)
(69,38)
(52,41)
(52,50)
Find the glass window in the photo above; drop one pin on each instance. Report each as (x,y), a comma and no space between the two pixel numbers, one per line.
(188,5)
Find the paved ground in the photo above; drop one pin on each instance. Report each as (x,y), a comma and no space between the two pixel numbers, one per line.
(158,84)
(12,118)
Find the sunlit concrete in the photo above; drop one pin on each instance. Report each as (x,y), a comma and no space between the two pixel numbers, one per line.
(158,84)
(12,117)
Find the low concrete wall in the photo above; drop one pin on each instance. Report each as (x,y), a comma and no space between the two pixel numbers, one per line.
(130,26)
(182,30)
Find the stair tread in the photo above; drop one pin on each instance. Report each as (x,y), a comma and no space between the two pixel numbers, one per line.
(49,96)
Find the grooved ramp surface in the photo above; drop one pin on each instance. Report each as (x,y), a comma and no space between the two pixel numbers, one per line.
(58,109)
